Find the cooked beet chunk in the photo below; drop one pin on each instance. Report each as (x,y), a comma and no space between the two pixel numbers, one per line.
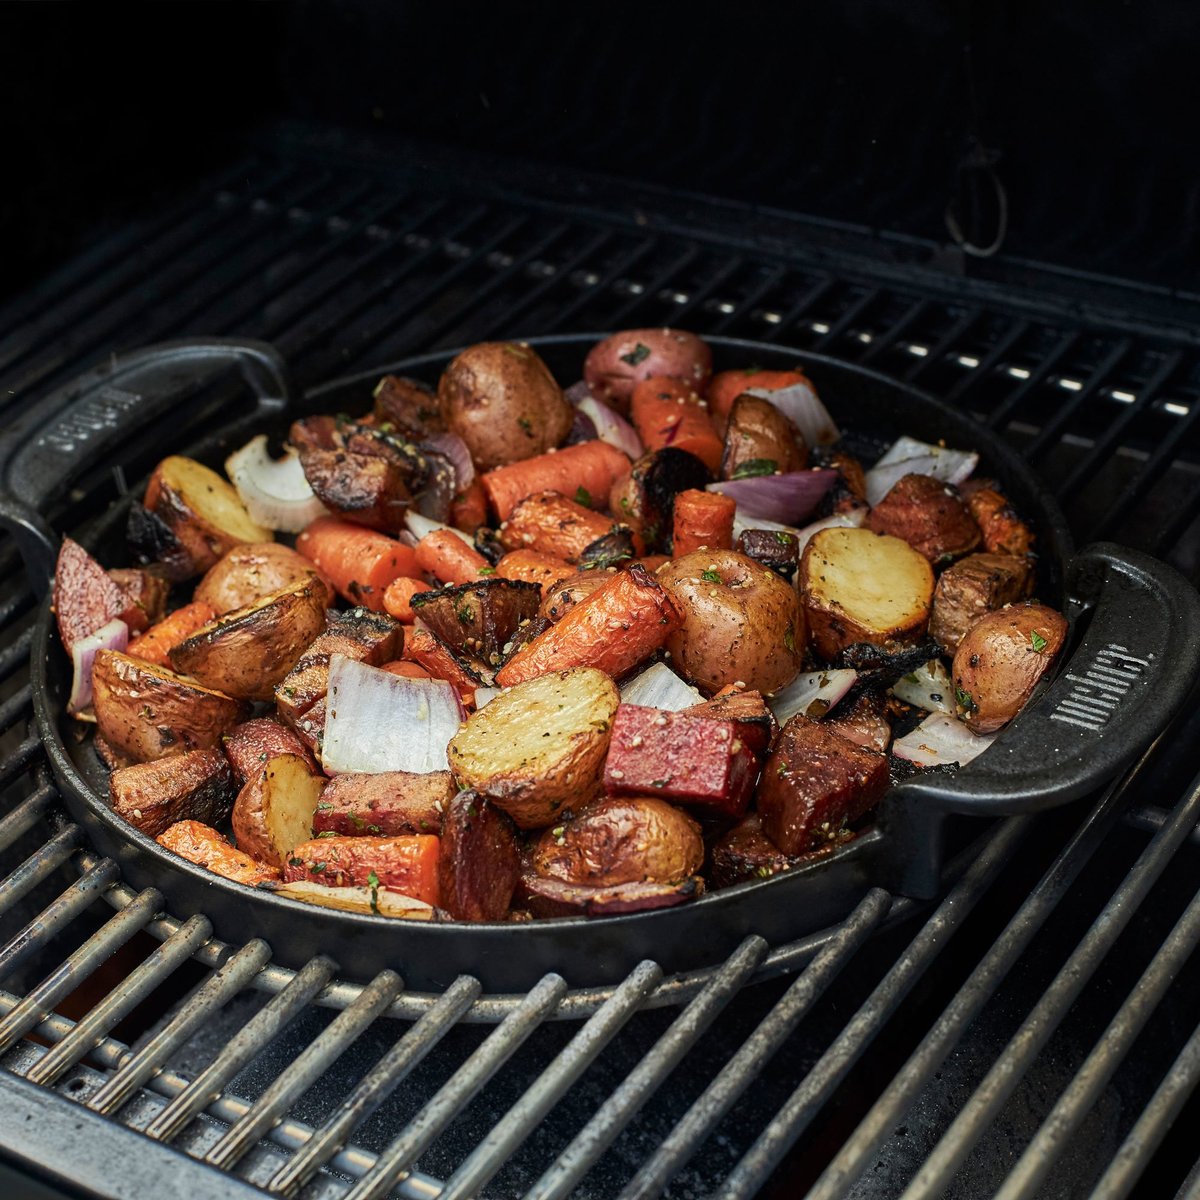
(480,865)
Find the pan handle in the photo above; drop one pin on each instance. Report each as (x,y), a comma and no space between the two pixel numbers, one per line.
(1129,675)
(52,442)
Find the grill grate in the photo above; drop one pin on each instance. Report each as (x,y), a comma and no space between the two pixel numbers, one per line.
(858,1076)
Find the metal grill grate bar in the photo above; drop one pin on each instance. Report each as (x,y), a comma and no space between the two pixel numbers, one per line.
(39,866)
(990,362)
(746,303)
(627,312)
(26,815)
(564,316)
(1046,365)
(941,348)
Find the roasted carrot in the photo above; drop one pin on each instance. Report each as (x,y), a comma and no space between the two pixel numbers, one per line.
(406,669)
(551,524)
(427,652)
(153,645)
(530,566)
(469,509)
(726,386)
(397,600)
(587,469)
(702,519)
(407,864)
(667,412)
(359,562)
(616,627)
(445,555)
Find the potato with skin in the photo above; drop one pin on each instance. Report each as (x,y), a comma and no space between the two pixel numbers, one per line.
(363,488)
(148,712)
(758,433)
(628,839)
(540,745)
(502,400)
(153,796)
(204,846)
(859,586)
(1000,660)
(929,516)
(201,510)
(741,622)
(250,745)
(274,810)
(248,573)
(617,364)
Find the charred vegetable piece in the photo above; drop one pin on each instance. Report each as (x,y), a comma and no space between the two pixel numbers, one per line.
(550,523)
(480,866)
(746,853)
(245,653)
(1003,531)
(373,638)
(773,548)
(197,786)
(362,488)
(385,805)
(976,584)
(814,783)
(553,898)
(147,593)
(149,712)
(321,432)
(465,671)
(865,721)
(929,516)
(85,597)
(274,810)
(749,712)
(478,619)
(613,549)
(539,746)
(250,745)
(204,846)
(408,405)
(152,542)
(686,759)
(860,586)
(884,665)
(632,839)
(1001,658)
(644,499)
(401,864)
(760,440)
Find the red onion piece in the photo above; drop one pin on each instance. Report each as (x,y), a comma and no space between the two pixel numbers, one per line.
(274,490)
(451,446)
(782,498)
(659,687)
(803,407)
(611,427)
(907,456)
(940,740)
(929,687)
(583,429)
(113,636)
(377,721)
(576,392)
(813,695)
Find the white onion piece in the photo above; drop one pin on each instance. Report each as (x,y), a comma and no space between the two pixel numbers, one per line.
(611,427)
(785,498)
(377,721)
(927,687)
(483,695)
(907,456)
(274,490)
(814,695)
(450,446)
(940,740)
(800,403)
(419,526)
(113,636)
(659,687)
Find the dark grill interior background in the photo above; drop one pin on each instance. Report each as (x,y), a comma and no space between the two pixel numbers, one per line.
(357,183)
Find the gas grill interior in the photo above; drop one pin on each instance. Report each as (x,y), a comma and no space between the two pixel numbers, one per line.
(1033,1032)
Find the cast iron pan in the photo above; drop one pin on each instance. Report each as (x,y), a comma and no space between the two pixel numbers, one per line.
(1132,661)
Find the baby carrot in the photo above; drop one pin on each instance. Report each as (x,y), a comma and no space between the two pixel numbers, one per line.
(668,413)
(397,600)
(406,864)
(153,645)
(702,519)
(551,524)
(587,469)
(531,566)
(445,555)
(359,562)
(422,648)
(613,629)
(469,509)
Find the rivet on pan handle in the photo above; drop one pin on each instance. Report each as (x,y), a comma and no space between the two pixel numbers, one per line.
(47,448)
(1130,673)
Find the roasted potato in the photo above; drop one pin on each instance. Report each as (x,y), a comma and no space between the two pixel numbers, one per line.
(409,406)
(741,622)
(479,866)
(245,653)
(1000,659)
(204,846)
(377,900)
(627,839)
(364,488)
(249,745)
(617,364)
(384,805)
(859,586)
(274,810)
(202,511)
(149,712)
(539,746)
(502,400)
(248,573)
(976,584)
(196,786)
(760,438)
(929,516)
(401,864)
(553,898)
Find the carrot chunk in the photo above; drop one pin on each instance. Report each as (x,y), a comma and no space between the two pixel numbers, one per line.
(397,600)
(589,468)
(359,562)
(153,645)
(667,412)
(702,519)
(445,555)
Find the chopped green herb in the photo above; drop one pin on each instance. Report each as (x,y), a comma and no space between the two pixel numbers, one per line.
(526,424)
(711,576)
(754,467)
(1037,641)
(583,496)
(516,351)
(785,539)
(327,833)
(763,872)
(637,355)
(965,700)
(487,570)
(789,639)
(317,868)
(373,884)
(464,613)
